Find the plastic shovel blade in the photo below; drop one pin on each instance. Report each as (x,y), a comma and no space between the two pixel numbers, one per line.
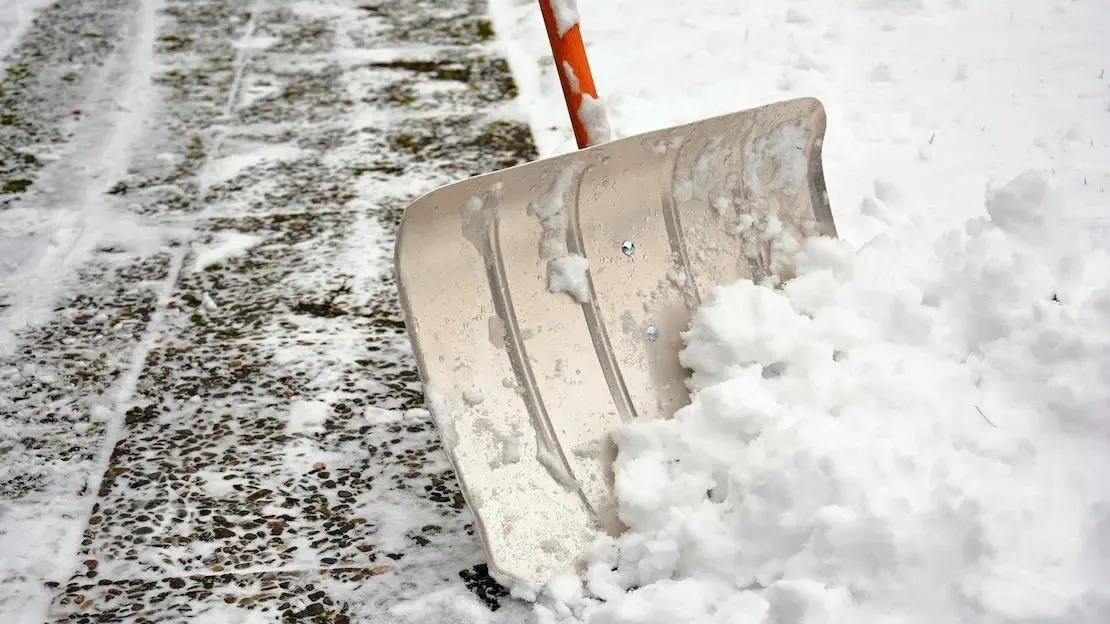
(545,304)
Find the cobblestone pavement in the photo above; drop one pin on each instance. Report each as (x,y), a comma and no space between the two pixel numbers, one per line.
(230,347)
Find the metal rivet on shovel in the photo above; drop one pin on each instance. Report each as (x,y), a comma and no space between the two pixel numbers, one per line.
(629,248)
(652,333)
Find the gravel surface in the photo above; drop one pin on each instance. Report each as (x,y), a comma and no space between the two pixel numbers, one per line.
(208,408)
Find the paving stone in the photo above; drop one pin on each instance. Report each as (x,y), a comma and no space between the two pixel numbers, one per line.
(42,85)
(55,389)
(247,374)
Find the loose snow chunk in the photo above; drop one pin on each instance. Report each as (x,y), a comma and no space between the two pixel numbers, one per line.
(569,274)
(566,272)
(887,438)
(226,245)
(742,325)
(595,118)
(1018,206)
(306,416)
(226,614)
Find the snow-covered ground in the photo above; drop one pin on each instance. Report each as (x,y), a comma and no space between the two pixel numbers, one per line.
(15,18)
(208,408)
(201,346)
(916,429)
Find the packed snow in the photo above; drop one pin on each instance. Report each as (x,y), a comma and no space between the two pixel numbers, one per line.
(916,427)
(889,437)
(225,246)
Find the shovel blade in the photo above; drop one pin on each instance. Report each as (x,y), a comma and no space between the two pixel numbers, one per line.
(545,304)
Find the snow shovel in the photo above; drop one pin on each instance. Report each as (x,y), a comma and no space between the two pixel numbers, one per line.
(545,303)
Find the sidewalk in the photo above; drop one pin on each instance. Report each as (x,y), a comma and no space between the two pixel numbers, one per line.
(243,345)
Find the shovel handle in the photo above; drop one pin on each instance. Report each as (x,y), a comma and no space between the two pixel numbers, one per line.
(573,67)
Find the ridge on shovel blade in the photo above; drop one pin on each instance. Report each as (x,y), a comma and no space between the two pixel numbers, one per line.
(530,362)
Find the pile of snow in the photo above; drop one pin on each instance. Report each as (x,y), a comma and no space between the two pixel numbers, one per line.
(889,438)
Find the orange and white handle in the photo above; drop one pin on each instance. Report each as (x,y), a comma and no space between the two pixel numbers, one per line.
(565,36)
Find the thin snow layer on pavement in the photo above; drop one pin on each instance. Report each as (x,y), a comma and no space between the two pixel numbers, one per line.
(892,436)
(15,18)
(209,410)
(67,103)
